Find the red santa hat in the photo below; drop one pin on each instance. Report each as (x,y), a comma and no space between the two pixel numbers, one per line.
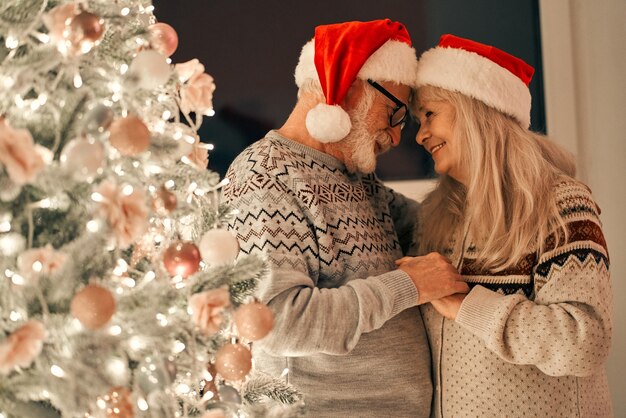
(339,54)
(483,72)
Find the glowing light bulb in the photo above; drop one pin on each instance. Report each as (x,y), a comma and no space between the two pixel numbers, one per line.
(11,42)
(57,371)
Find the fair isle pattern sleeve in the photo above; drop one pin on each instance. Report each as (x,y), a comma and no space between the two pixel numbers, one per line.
(329,243)
(565,329)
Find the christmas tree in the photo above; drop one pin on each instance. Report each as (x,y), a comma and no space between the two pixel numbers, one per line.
(121,295)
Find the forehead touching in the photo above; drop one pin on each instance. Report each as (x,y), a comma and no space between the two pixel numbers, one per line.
(428,96)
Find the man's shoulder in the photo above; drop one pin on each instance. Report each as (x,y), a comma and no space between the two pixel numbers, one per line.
(266,156)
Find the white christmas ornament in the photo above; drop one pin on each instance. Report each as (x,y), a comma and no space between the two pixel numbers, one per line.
(151,69)
(83,158)
(219,246)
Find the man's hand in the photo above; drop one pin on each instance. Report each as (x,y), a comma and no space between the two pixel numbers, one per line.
(449,306)
(434,276)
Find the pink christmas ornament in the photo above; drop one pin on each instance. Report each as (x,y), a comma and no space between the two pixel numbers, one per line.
(57,19)
(129,135)
(163,38)
(233,361)
(165,200)
(207,309)
(196,94)
(118,403)
(219,246)
(125,211)
(84,32)
(83,158)
(19,155)
(44,260)
(21,347)
(93,306)
(254,321)
(182,258)
(199,155)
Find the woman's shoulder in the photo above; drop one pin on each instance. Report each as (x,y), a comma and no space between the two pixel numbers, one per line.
(574,199)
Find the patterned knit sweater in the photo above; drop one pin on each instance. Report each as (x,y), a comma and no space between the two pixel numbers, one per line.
(530,341)
(346,324)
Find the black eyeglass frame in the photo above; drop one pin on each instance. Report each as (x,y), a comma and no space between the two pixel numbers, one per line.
(399,105)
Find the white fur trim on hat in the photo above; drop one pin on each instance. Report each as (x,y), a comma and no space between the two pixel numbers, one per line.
(328,123)
(475,76)
(393,61)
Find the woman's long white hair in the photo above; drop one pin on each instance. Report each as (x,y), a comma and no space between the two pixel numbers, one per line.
(508,205)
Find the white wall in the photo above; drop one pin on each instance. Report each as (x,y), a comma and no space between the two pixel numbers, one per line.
(584,58)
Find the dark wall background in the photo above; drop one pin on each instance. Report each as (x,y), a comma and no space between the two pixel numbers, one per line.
(251,48)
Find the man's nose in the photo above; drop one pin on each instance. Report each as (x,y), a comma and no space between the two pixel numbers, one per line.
(396,135)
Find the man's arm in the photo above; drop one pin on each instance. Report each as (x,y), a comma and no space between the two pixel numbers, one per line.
(308,319)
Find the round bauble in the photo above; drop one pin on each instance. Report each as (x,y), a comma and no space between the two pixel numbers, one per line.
(93,306)
(118,403)
(219,246)
(219,409)
(228,393)
(182,258)
(83,158)
(97,120)
(163,38)
(155,373)
(233,361)
(9,191)
(150,69)
(129,135)
(254,320)
(85,31)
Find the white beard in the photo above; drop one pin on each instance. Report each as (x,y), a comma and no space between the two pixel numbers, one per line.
(361,146)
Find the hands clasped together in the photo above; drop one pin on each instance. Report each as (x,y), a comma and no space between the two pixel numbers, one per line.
(437,281)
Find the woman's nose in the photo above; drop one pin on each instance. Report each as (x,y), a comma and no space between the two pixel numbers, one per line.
(422,135)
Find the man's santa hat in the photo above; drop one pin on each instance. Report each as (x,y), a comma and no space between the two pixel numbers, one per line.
(483,72)
(339,54)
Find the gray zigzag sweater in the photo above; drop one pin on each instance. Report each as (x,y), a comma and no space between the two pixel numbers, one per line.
(343,326)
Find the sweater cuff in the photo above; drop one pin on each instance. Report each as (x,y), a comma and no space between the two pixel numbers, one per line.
(478,310)
(401,286)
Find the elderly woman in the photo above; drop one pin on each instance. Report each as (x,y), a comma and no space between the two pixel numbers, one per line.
(531,337)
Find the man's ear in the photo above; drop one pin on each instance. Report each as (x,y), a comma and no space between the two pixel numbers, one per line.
(354,96)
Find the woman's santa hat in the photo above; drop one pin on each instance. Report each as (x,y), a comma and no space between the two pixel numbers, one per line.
(483,72)
(339,54)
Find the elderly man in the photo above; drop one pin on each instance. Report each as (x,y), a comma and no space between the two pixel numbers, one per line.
(347,328)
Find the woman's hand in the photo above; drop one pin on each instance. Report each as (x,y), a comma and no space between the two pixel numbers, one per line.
(449,306)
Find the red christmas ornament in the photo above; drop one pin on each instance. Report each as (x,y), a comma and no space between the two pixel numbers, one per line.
(182,258)
(163,38)
(129,135)
(254,321)
(233,361)
(93,306)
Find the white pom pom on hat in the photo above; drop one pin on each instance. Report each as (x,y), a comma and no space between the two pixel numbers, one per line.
(481,71)
(328,123)
(339,54)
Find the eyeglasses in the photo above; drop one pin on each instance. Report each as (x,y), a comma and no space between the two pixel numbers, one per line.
(399,114)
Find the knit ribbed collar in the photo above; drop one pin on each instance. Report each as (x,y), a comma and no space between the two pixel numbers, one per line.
(317,155)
